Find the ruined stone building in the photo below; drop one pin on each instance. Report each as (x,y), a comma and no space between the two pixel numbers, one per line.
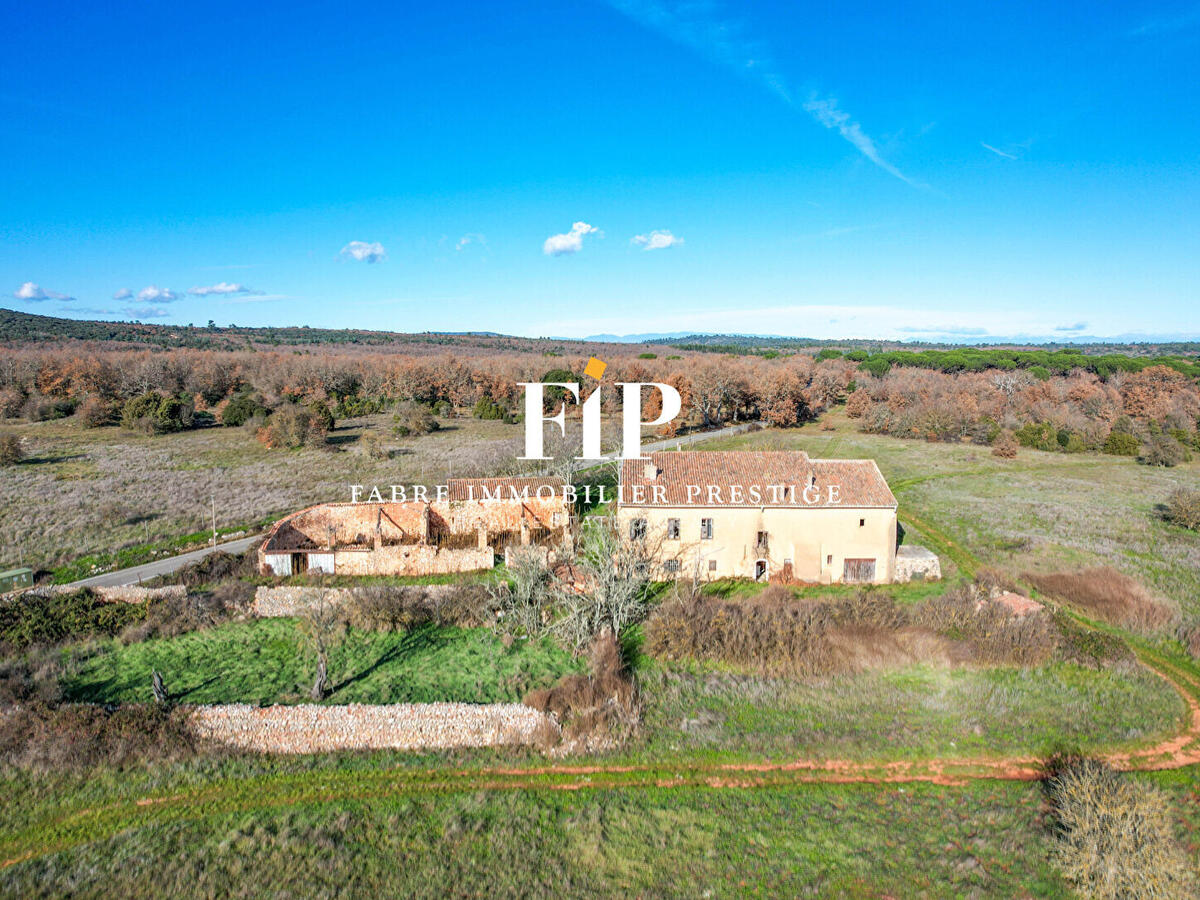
(775,515)
(461,531)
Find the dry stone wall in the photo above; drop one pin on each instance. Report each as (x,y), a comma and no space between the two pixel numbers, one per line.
(294,600)
(313,728)
(120,594)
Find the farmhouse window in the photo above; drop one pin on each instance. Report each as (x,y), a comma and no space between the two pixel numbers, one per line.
(706,529)
(862,522)
(637,529)
(673,529)
(712,565)
(671,565)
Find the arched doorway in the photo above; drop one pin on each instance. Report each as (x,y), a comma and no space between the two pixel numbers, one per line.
(760,570)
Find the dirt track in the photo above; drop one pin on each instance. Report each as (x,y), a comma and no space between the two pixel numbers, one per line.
(72,828)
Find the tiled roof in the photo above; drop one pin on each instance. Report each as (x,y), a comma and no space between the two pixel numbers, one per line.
(468,488)
(859,482)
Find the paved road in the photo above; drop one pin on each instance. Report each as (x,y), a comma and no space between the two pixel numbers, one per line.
(163,566)
(175,563)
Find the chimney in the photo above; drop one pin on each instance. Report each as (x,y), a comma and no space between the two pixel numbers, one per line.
(650,471)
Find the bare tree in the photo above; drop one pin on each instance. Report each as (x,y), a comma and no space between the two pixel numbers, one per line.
(323,628)
(525,599)
(615,573)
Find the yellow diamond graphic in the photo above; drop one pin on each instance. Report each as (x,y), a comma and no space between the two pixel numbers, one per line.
(595,368)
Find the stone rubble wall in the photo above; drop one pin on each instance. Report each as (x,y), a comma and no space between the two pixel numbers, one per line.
(121,593)
(312,728)
(915,563)
(286,601)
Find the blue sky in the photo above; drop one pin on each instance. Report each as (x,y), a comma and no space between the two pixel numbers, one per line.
(919,170)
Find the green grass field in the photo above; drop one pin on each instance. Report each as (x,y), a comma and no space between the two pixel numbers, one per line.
(914,712)
(1039,512)
(264,661)
(659,823)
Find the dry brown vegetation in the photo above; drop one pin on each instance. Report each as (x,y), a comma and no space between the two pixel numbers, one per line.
(776,633)
(1114,835)
(398,607)
(1110,596)
(596,711)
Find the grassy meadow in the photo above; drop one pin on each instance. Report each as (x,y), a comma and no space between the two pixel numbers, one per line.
(265,661)
(83,491)
(1040,512)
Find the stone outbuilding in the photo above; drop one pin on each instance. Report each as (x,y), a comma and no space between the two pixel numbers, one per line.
(460,531)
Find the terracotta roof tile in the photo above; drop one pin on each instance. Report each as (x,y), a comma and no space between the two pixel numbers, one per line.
(779,475)
(474,488)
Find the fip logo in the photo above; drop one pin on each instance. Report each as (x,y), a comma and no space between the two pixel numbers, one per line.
(631,414)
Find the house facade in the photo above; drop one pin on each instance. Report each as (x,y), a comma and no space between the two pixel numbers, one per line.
(766,515)
(462,530)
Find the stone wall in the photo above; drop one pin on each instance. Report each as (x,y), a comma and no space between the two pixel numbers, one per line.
(312,728)
(121,594)
(915,563)
(412,559)
(293,600)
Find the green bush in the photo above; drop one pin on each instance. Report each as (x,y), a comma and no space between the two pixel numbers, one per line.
(51,618)
(1039,436)
(152,412)
(10,450)
(829,353)
(242,408)
(1122,443)
(488,408)
(414,418)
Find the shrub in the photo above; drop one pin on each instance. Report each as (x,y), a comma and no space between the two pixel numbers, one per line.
(1183,508)
(596,711)
(43,409)
(395,608)
(242,408)
(321,416)
(153,413)
(858,403)
(1039,436)
(1005,445)
(52,617)
(414,418)
(1163,450)
(372,445)
(1113,835)
(487,408)
(95,412)
(292,426)
(1189,636)
(194,611)
(76,736)
(11,401)
(1109,595)
(525,599)
(10,450)
(1121,443)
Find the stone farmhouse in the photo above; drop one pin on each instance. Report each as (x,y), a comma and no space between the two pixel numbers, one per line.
(460,531)
(766,515)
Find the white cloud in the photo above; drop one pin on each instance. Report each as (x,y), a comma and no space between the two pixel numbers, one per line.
(693,25)
(146,312)
(571,242)
(657,240)
(363,251)
(34,293)
(826,112)
(155,293)
(469,238)
(222,287)
(997,151)
(123,294)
